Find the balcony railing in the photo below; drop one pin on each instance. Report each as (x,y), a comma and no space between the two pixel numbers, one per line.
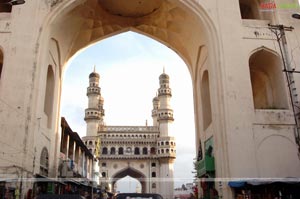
(124,156)
(131,128)
(206,165)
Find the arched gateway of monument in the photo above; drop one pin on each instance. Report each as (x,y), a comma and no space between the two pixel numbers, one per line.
(237,113)
(146,153)
(134,174)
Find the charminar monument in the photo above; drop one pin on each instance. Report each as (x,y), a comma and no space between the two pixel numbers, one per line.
(146,153)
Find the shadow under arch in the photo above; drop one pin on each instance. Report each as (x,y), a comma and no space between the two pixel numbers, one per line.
(135,30)
(193,8)
(267,79)
(129,171)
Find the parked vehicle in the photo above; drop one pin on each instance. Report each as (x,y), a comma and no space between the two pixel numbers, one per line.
(138,196)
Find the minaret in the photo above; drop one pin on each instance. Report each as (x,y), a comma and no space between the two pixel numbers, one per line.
(94,113)
(155,102)
(165,113)
(166,143)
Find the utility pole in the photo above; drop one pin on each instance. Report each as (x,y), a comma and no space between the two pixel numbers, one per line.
(279,31)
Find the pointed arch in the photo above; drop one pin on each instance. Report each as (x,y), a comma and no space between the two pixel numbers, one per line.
(1,62)
(206,102)
(44,162)
(49,95)
(267,79)
(129,171)
(264,48)
(55,54)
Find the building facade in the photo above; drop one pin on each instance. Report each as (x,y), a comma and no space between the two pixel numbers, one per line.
(243,108)
(146,153)
(76,161)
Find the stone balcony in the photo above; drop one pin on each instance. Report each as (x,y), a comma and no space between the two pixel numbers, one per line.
(125,129)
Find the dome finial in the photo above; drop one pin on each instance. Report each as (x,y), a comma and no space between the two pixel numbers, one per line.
(164,69)
(94,73)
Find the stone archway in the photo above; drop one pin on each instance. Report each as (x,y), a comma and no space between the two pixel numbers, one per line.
(132,173)
(183,26)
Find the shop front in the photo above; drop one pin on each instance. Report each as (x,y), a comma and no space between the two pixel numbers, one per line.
(266,189)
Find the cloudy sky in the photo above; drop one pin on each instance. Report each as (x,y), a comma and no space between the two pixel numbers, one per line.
(129,65)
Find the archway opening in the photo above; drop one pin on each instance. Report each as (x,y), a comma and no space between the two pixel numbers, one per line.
(128,184)
(129,180)
(268,85)
(85,23)
(129,64)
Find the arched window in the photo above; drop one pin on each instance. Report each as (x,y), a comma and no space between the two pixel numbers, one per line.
(121,151)
(267,80)
(249,9)
(256,9)
(90,143)
(152,151)
(167,142)
(145,151)
(128,150)
(104,151)
(49,95)
(153,164)
(44,162)
(137,151)
(206,104)
(1,62)
(153,174)
(113,151)
(103,174)
(153,186)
